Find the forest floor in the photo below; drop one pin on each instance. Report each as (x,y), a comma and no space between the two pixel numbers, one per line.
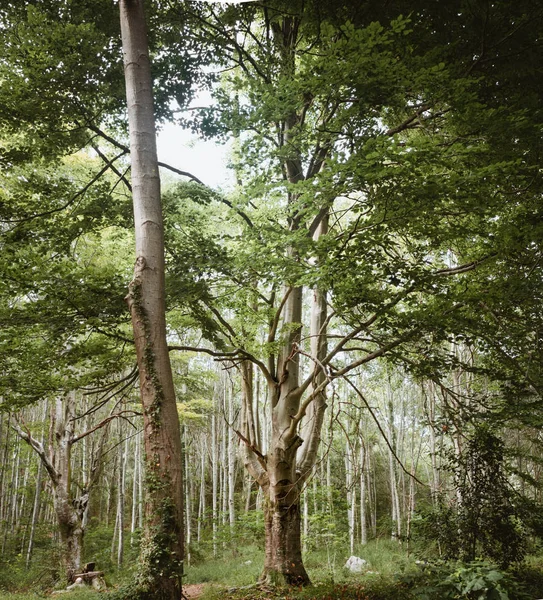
(390,574)
(193,591)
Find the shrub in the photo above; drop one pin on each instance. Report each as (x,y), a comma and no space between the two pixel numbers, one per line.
(477,580)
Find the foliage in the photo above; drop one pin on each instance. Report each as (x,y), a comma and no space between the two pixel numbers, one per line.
(485,517)
(476,581)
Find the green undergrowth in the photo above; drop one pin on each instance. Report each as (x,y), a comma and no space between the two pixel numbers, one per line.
(243,566)
(89,594)
(377,588)
(390,574)
(235,568)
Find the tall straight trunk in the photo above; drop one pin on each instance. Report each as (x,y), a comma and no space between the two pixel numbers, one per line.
(202,495)
(231,465)
(35,510)
(372,486)
(224,463)
(141,478)
(161,559)
(14,486)
(121,498)
(431,414)
(3,467)
(134,514)
(189,479)
(351,493)
(394,493)
(305,504)
(363,517)
(214,481)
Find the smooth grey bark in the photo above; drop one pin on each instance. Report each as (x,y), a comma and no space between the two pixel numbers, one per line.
(161,558)
(214,481)
(135,481)
(35,510)
(35,514)
(363,516)
(231,453)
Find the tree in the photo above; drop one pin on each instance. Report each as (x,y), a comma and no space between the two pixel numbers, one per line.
(368,117)
(416,137)
(161,565)
(70,508)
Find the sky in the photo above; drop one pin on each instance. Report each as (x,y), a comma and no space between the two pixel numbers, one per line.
(185,151)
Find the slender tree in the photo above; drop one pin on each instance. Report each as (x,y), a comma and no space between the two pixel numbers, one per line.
(161,560)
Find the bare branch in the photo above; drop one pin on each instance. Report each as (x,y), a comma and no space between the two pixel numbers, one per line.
(106,422)
(261,458)
(463,268)
(39,449)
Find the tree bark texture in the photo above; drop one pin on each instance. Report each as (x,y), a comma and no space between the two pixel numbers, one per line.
(162,549)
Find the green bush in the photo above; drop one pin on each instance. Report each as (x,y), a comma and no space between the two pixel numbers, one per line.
(477,580)
(487,518)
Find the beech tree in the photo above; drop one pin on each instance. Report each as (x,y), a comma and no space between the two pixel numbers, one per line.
(161,560)
(362,117)
(56,457)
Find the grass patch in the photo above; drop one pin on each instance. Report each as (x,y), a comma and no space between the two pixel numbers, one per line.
(379,588)
(75,595)
(242,569)
(383,557)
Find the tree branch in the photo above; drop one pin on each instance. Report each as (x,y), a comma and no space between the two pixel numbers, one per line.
(104,423)
(39,449)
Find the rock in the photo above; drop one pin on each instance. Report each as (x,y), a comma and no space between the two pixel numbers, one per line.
(355,564)
(77,584)
(248,562)
(98,583)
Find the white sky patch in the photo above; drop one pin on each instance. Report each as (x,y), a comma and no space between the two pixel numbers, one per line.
(204,159)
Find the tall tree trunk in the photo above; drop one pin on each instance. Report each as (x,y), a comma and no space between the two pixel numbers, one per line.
(189,481)
(214,481)
(363,517)
(283,557)
(351,492)
(135,478)
(202,494)
(68,516)
(35,510)
(161,559)
(123,460)
(231,465)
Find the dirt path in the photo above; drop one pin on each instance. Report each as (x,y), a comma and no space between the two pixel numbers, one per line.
(193,591)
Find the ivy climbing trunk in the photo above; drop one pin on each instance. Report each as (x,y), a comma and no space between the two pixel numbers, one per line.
(161,559)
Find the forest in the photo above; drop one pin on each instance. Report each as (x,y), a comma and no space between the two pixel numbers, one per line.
(322,380)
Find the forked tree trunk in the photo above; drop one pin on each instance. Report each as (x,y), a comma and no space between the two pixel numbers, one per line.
(161,558)
(283,560)
(69,510)
(281,473)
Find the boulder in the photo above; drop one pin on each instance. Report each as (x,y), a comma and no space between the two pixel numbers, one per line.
(355,564)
